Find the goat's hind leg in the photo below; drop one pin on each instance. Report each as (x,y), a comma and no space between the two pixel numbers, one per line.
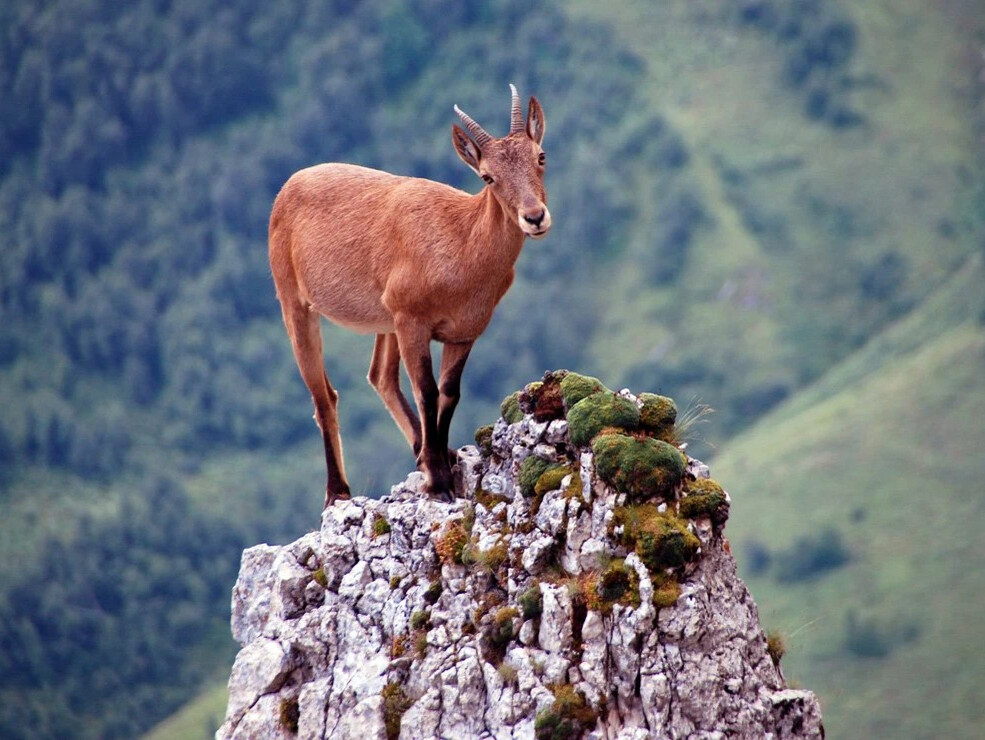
(384,376)
(305,333)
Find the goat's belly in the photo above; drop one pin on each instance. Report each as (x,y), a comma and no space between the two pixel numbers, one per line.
(352,306)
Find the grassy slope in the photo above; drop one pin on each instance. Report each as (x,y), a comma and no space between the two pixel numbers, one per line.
(893,459)
(197,720)
(891,185)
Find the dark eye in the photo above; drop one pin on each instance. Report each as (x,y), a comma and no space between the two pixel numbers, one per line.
(488,179)
(542,159)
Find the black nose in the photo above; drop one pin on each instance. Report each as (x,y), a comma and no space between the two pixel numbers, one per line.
(534,218)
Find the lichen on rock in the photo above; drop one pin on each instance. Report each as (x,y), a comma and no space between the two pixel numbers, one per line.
(573,592)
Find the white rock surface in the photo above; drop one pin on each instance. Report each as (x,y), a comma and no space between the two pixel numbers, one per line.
(325,622)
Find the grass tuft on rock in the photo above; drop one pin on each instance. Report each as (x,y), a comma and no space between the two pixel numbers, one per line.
(380,525)
(395,703)
(776,646)
(603,409)
(642,468)
(532,602)
(575,387)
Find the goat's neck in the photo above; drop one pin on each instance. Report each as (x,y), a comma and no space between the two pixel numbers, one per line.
(495,237)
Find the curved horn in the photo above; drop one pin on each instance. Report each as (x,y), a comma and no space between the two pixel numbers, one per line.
(478,133)
(516,112)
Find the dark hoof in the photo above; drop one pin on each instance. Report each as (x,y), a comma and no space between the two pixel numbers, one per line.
(452,458)
(332,497)
(445,497)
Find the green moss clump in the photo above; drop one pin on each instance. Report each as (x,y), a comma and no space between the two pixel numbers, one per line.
(550,479)
(394,581)
(666,591)
(575,387)
(665,542)
(289,715)
(594,413)
(705,499)
(320,578)
(570,716)
(530,471)
(483,440)
(532,602)
(662,540)
(433,593)
(380,525)
(641,468)
(658,414)
(615,581)
(395,703)
(510,408)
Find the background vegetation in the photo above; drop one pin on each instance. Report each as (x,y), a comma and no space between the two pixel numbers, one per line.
(775,206)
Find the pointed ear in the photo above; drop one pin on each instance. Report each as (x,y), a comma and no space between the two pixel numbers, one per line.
(536,125)
(465,147)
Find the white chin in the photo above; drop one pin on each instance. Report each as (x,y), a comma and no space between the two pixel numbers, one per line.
(534,234)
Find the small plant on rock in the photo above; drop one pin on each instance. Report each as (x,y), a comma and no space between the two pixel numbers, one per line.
(661,540)
(289,715)
(451,543)
(433,593)
(380,525)
(570,716)
(532,602)
(776,646)
(483,440)
(419,620)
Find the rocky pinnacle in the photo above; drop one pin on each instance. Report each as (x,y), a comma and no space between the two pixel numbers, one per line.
(573,592)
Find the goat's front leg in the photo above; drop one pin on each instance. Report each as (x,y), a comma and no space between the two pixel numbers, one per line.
(414,340)
(453,360)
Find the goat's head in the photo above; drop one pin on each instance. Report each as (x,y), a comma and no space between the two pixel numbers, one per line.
(513,166)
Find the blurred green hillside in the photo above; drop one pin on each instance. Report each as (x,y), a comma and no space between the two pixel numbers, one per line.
(774,206)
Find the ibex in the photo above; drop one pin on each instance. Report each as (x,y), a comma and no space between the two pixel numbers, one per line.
(412,261)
